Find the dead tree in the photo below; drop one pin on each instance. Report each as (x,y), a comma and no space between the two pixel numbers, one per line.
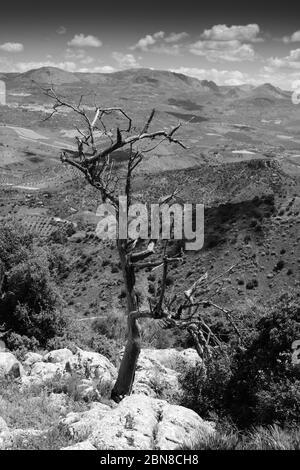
(95,162)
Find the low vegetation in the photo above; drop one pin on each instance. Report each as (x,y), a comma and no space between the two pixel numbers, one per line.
(254,384)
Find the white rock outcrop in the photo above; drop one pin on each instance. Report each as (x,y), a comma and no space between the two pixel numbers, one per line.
(58,355)
(141,422)
(10,366)
(92,374)
(158,370)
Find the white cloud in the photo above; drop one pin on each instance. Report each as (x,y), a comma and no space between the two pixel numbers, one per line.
(145,42)
(25,66)
(159,35)
(61,30)
(125,60)
(160,42)
(230,43)
(99,69)
(176,37)
(69,66)
(222,32)
(295,37)
(12,47)
(278,77)
(80,40)
(221,77)
(289,62)
(223,50)
(78,55)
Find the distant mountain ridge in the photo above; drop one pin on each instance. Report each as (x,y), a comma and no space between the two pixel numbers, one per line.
(140,76)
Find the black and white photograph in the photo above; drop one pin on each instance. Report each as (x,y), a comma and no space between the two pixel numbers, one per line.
(149,229)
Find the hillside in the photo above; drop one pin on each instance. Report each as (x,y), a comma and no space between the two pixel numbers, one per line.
(62,299)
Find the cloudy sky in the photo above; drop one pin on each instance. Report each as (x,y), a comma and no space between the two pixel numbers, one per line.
(230,43)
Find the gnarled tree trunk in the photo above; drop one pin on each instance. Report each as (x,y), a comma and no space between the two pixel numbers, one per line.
(124,383)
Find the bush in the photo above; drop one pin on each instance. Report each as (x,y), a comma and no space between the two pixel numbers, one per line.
(21,344)
(105,346)
(30,304)
(113,326)
(204,388)
(264,388)
(255,384)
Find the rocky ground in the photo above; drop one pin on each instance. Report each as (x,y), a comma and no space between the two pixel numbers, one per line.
(141,421)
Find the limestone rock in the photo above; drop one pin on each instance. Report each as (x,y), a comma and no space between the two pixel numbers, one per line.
(93,360)
(31,358)
(152,378)
(92,365)
(158,370)
(10,366)
(92,374)
(139,422)
(129,426)
(180,425)
(44,371)
(58,355)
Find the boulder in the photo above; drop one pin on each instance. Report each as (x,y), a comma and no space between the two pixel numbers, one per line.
(158,370)
(92,360)
(172,358)
(140,422)
(153,379)
(180,425)
(93,367)
(10,366)
(90,374)
(58,355)
(44,371)
(31,358)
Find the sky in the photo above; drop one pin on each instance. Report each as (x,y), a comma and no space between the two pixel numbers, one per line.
(228,42)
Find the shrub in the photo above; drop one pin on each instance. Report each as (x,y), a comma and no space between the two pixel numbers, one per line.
(204,387)
(105,346)
(30,304)
(264,387)
(113,326)
(255,384)
(21,344)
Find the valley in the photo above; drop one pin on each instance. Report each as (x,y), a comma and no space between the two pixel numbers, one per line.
(243,146)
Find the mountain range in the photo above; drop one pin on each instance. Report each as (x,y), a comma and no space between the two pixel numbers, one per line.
(141,76)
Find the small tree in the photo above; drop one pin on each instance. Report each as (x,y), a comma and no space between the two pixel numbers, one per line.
(30,305)
(97,165)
